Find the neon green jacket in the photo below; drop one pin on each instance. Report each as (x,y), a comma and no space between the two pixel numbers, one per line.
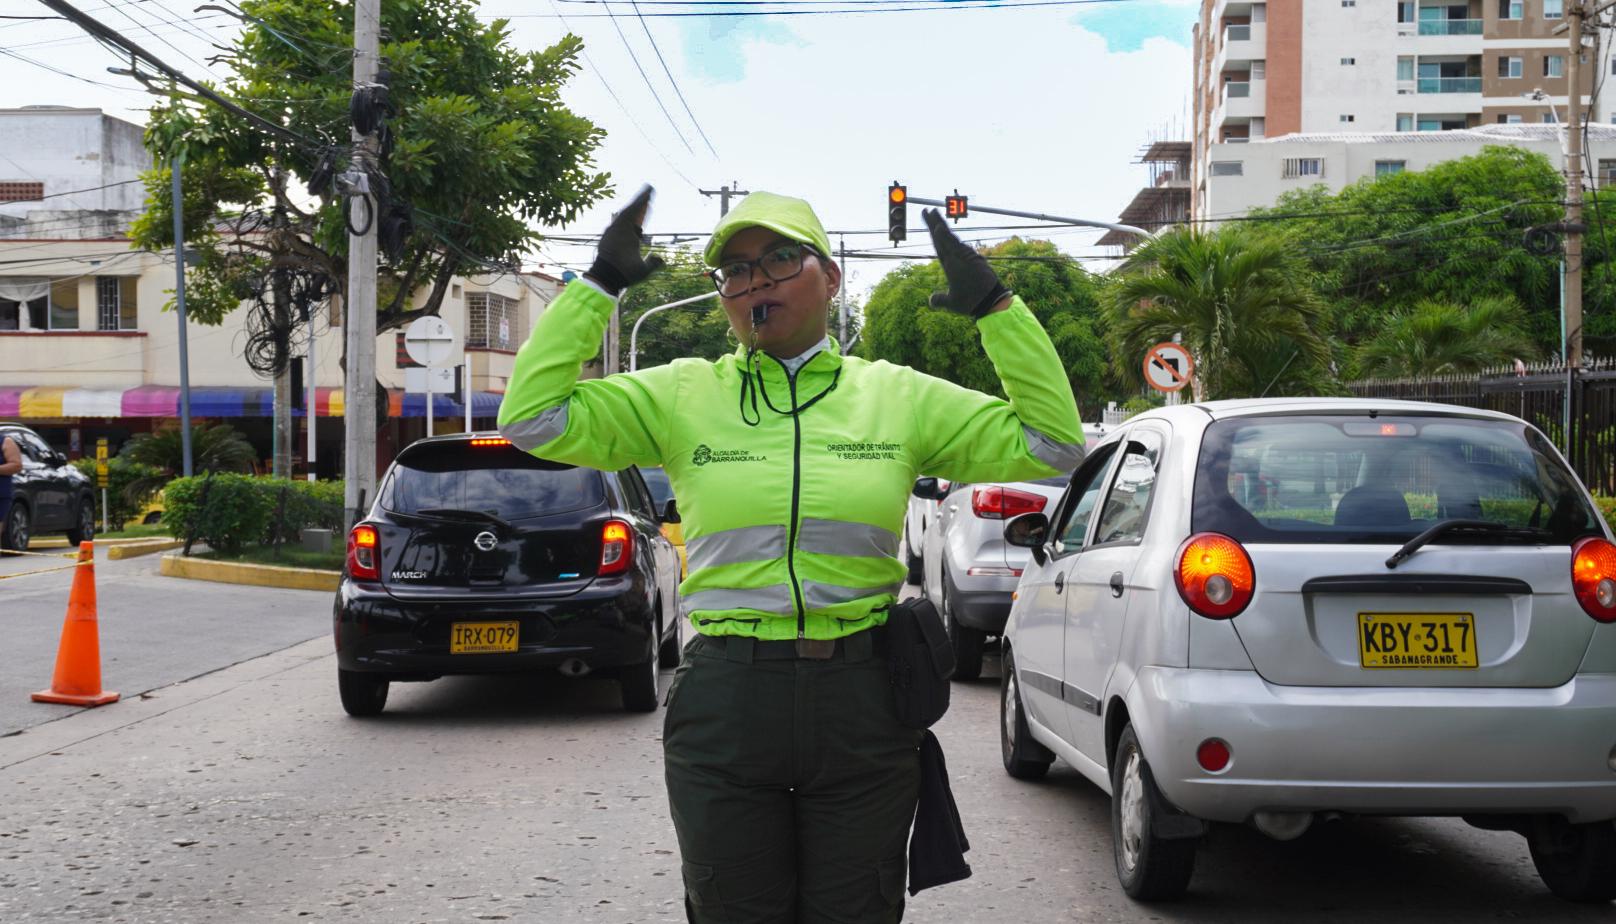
(791,522)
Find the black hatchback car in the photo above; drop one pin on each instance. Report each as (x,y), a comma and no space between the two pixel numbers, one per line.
(479,558)
(49,495)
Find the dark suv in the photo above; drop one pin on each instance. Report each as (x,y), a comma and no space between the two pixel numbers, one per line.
(480,558)
(48,495)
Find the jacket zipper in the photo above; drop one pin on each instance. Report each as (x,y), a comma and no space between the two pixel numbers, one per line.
(796,490)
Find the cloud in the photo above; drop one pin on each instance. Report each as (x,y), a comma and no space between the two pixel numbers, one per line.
(716,46)
(1126,26)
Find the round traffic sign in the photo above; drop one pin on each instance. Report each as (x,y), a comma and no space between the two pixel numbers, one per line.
(429,340)
(1168,366)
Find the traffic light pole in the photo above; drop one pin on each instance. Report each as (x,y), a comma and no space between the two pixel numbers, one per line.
(1040,216)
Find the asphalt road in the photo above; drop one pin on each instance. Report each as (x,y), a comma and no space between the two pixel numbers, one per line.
(247,795)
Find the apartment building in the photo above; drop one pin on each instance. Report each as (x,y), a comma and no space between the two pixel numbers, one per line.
(1265,70)
(1165,199)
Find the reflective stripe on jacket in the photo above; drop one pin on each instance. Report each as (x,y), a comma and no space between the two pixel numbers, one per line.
(791,523)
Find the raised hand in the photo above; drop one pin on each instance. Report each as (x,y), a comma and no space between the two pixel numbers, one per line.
(618,261)
(973,287)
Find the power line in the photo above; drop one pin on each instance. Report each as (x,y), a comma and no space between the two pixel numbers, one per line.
(654,95)
(874,8)
(680,93)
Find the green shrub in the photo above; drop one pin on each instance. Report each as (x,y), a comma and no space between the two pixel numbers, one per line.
(1607,508)
(306,505)
(127,490)
(234,511)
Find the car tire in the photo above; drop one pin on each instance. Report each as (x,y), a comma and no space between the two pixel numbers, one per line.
(1150,868)
(85,530)
(967,642)
(1024,758)
(668,651)
(17,526)
(362,694)
(638,684)
(1576,862)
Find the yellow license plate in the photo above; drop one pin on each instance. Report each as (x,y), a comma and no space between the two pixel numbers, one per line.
(1417,640)
(482,637)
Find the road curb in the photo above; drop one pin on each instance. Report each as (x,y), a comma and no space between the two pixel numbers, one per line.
(138,547)
(236,572)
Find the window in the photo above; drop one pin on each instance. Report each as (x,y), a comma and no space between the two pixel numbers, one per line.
(1348,62)
(1349,2)
(1511,9)
(1228,168)
(1510,66)
(1389,167)
(493,321)
(1509,118)
(1607,172)
(1405,121)
(1127,506)
(1081,496)
(1259,70)
(1547,118)
(1553,9)
(1348,118)
(64,305)
(1405,11)
(1554,65)
(115,303)
(1296,167)
(21,190)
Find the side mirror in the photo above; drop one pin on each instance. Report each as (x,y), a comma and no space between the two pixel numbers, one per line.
(670,511)
(1029,531)
(58,460)
(929,489)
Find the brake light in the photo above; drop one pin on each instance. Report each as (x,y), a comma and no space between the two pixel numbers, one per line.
(490,441)
(1214,575)
(1593,577)
(999,503)
(616,547)
(364,553)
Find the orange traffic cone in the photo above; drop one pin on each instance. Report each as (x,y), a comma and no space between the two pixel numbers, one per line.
(78,660)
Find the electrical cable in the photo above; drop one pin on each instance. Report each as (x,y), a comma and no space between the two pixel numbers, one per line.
(654,95)
(677,92)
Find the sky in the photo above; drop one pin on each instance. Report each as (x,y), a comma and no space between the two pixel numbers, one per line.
(1041,108)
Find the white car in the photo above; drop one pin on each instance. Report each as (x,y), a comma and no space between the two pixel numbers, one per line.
(924,499)
(1260,611)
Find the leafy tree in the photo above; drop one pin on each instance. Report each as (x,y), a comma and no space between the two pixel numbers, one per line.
(214,448)
(1441,338)
(1239,303)
(481,147)
(900,327)
(699,329)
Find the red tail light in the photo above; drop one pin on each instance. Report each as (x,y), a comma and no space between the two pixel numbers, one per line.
(364,553)
(1593,577)
(1213,755)
(997,503)
(1214,575)
(616,547)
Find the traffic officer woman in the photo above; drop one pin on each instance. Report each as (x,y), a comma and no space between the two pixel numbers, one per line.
(792,785)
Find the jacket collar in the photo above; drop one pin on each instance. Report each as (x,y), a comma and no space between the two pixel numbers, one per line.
(821,364)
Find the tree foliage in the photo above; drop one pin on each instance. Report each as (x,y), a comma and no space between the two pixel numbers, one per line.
(481,147)
(901,328)
(699,329)
(1441,338)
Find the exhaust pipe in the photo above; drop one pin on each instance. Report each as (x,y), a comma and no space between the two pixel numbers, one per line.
(574,667)
(1283,826)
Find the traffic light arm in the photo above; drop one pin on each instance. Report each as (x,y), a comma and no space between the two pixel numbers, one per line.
(1039,216)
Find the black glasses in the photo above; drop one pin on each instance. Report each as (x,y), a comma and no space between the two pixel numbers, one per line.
(778,264)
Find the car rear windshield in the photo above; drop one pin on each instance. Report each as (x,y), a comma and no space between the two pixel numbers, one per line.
(505,482)
(1356,478)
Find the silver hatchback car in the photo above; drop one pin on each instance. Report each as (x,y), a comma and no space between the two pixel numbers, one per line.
(1260,611)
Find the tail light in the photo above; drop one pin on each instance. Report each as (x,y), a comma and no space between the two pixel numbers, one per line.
(1213,755)
(364,553)
(1593,577)
(482,441)
(616,547)
(1214,575)
(998,503)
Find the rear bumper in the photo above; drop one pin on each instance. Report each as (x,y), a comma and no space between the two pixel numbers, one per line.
(376,632)
(1392,751)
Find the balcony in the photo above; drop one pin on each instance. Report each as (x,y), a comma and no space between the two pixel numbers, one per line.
(1239,103)
(1241,44)
(1449,85)
(1450,27)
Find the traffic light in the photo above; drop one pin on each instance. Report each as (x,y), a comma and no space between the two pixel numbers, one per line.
(897,212)
(955,207)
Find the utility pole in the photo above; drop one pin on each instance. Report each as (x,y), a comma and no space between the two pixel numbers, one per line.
(1577,14)
(841,251)
(359,308)
(281,460)
(176,165)
(724,193)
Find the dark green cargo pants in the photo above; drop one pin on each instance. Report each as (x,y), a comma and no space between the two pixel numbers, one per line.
(792,785)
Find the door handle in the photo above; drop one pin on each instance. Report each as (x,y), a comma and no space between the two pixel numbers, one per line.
(1060,581)
(1116,584)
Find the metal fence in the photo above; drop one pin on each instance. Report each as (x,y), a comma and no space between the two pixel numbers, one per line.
(1538,396)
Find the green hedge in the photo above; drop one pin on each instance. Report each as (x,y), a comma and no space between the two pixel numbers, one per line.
(241,510)
(121,475)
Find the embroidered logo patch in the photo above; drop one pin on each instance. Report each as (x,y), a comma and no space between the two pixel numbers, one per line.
(705,454)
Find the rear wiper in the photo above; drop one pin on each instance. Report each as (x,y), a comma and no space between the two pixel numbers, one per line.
(1448,526)
(454,513)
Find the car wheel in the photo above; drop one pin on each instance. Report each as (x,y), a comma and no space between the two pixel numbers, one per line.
(1151,868)
(362,694)
(17,527)
(1024,758)
(1576,862)
(638,684)
(85,528)
(668,651)
(967,641)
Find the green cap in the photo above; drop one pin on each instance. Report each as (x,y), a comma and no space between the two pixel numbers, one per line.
(792,218)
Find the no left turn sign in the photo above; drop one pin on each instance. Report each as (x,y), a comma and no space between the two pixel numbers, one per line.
(1168,366)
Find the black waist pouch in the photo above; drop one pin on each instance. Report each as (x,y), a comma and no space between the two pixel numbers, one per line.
(921,661)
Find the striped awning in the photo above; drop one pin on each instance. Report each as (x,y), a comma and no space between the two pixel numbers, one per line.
(211,401)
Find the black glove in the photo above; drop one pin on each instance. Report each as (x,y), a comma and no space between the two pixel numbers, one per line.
(973,287)
(618,263)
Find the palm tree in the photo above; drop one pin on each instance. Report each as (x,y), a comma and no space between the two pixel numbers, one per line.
(215,448)
(1442,338)
(1240,305)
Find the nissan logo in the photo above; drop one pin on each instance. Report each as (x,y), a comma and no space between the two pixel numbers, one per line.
(485,541)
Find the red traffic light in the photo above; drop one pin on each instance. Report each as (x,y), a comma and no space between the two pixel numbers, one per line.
(956,207)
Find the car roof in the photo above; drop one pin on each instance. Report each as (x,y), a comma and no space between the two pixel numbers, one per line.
(1253,407)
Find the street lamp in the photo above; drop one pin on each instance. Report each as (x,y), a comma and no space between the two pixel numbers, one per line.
(1537,95)
(634,335)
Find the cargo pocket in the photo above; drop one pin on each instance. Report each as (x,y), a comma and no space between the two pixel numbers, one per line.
(893,872)
(703,903)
